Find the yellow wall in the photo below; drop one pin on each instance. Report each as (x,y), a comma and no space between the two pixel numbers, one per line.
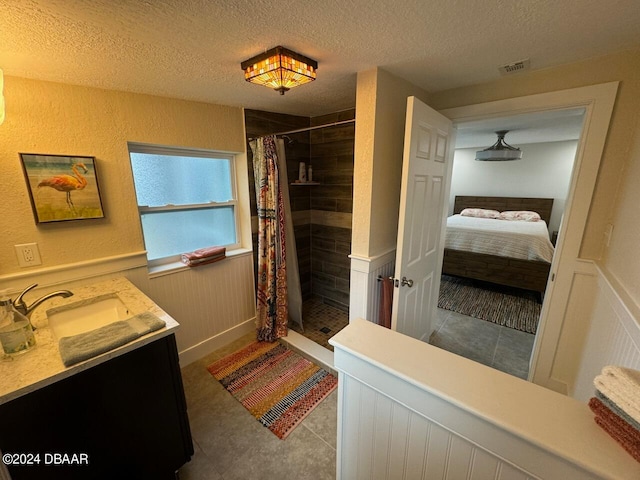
(621,258)
(363,162)
(53,118)
(381,105)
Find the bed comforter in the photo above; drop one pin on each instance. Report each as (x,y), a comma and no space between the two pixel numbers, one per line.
(513,239)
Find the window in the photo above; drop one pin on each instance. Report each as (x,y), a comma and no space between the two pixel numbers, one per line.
(186,200)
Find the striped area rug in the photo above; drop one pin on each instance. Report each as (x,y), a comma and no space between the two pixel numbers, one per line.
(278,386)
(510,307)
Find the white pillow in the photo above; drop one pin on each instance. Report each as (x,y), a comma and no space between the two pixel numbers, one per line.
(480,213)
(521,215)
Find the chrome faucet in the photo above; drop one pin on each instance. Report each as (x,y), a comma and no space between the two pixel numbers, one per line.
(20,305)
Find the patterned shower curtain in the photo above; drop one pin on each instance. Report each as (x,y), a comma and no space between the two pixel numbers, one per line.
(272,309)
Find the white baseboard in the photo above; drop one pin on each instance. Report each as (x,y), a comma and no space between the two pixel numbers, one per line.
(211,344)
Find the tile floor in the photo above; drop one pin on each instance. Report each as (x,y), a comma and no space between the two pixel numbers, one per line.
(231,444)
(502,348)
(499,347)
(321,322)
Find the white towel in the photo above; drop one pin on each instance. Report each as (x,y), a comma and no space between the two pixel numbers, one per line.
(622,386)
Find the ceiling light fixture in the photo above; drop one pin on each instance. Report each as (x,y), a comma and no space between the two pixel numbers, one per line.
(499,151)
(280,69)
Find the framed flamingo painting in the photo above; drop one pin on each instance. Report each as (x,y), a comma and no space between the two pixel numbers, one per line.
(62,187)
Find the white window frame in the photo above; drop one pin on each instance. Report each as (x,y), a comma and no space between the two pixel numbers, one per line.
(188,152)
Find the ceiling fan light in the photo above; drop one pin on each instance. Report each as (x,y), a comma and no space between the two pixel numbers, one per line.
(500,151)
(280,69)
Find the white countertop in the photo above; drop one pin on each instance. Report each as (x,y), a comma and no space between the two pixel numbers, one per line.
(42,365)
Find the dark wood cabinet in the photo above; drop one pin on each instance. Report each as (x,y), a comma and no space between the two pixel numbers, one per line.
(127,415)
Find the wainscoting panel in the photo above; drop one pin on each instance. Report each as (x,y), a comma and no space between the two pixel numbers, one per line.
(408,410)
(394,442)
(214,304)
(565,361)
(365,288)
(613,339)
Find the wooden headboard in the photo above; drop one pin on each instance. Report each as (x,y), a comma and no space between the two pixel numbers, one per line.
(541,205)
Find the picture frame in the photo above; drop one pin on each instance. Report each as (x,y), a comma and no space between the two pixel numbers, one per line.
(62,187)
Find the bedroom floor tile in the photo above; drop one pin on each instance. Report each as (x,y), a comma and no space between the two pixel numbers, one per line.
(467,336)
(513,352)
(441,317)
(502,348)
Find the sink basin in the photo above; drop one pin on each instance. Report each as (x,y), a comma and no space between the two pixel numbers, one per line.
(86,315)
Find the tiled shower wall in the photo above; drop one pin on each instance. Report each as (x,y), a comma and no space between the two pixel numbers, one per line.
(321,213)
(331,207)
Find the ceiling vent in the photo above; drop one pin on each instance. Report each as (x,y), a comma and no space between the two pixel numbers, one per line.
(514,67)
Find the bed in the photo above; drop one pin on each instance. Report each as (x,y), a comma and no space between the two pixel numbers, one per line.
(530,271)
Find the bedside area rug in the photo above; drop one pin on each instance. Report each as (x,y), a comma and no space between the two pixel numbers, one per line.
(510,307)
(276,385)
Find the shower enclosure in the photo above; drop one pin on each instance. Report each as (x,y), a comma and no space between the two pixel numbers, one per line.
(321,213)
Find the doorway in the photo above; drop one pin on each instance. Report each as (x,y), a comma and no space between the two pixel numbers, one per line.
(598,102)
(474,320)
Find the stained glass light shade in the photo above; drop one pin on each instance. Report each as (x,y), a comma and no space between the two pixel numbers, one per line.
(280,69)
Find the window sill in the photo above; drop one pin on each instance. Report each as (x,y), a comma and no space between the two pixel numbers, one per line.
(176,267)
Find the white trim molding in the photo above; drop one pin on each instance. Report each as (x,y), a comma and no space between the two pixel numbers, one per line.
(562,364)
(72,272)
(369,264)
(364,296)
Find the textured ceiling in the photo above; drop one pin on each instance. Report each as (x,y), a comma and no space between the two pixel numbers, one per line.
(192,49)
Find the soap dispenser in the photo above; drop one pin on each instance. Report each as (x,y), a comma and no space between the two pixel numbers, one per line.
(16,332)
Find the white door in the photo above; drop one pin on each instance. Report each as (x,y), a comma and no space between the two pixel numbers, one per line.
(426,174)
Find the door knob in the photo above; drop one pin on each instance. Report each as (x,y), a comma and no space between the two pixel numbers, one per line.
(404,282)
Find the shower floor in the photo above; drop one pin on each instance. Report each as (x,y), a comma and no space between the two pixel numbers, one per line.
(321,322)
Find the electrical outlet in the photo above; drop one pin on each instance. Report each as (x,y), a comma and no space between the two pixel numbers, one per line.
(28,255)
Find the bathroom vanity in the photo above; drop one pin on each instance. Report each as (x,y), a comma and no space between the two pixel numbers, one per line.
(121,414)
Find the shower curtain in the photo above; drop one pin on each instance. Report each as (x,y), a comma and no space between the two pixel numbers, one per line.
(270,185)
